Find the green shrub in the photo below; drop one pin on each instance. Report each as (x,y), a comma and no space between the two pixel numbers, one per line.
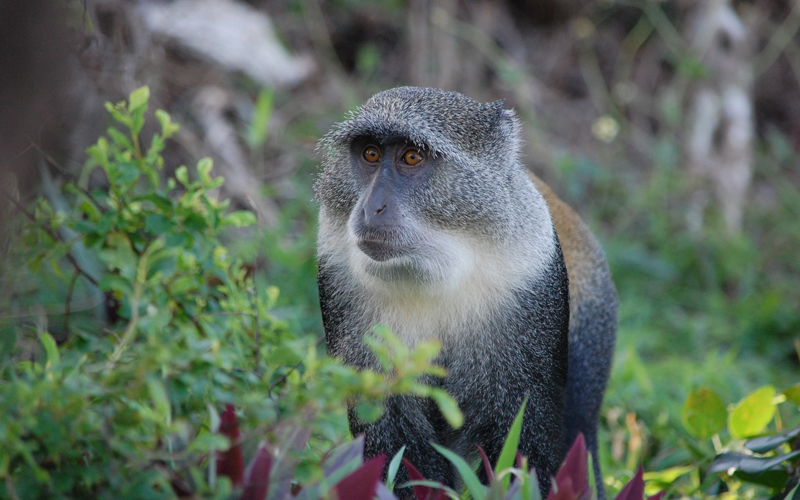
(129,409)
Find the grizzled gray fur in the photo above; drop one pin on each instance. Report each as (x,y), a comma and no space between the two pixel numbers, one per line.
(459,247)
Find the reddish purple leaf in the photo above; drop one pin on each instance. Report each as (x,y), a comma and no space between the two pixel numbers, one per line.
(230,463)
(486,464)
(256,482)
(657,496)
(572,480)
(362,483)
(422,492)
(634,490)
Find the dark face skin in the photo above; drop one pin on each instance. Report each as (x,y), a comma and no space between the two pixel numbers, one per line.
(388,172)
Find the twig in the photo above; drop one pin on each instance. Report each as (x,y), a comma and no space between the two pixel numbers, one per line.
(63,171)
(52,235)
(283,377)
(134,322)
(68,301)
(10,489)
(778,42)
(257,314)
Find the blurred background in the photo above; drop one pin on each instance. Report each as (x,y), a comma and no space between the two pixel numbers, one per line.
(672,127)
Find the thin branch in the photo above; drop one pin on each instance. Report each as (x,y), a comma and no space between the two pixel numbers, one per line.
(68,301)
(50,233)
(283,377)
(63,171)
(10,489)
(257,314)
(778,42)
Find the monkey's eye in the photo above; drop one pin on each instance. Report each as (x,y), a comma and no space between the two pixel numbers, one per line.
(371,154)
(412,157)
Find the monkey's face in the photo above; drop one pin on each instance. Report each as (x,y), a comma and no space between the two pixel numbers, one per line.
(387,174)
(422,187)
(390,236)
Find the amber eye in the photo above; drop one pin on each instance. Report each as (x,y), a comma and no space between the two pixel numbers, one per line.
(371,154)
(412,157)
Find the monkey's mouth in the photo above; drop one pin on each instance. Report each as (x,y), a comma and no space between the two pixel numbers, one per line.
(380,249)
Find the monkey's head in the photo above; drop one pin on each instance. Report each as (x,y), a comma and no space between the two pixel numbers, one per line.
(418,182)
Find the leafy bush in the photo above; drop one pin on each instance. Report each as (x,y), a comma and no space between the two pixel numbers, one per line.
(129,408)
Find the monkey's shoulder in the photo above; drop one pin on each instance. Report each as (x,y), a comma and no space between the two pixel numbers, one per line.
(586,263)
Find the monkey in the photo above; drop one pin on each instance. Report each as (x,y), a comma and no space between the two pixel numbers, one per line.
(430,224)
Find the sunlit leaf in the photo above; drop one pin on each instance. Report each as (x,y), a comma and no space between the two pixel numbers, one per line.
(753,413)
(704,413)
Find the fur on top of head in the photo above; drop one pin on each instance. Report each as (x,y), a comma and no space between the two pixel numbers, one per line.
(447,123)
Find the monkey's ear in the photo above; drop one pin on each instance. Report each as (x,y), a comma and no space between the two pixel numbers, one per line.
(498,105)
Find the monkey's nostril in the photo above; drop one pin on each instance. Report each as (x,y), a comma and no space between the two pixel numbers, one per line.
(380,210)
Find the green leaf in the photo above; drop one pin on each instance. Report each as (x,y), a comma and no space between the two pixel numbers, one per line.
(369,412)
(182,174)
(204,167)
(769,443)
(752,413)
(259,126)
(704,413)
(509,451)
(168,127)
(748,464)
(240,218)
(471,481)
(394,466)
(157,224)
(90,210)
(449,407)
(99,152)
(138,98)
(50,347)
(120,139)
(793,394)
(669,475)
(128,172)
(160,399)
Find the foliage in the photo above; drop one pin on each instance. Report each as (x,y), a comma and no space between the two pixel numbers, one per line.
(129,409)
(732,450)
(572,482)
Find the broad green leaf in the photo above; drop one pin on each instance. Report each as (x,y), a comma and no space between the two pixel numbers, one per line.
(509,451)
(793,394)
(769,443)
(138,98)
(704,413)
(669,475)
(752,413)
(749,464)
(157,224)
(468,476)
(449,408)
(369,412)
(120,139)
(128,172)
